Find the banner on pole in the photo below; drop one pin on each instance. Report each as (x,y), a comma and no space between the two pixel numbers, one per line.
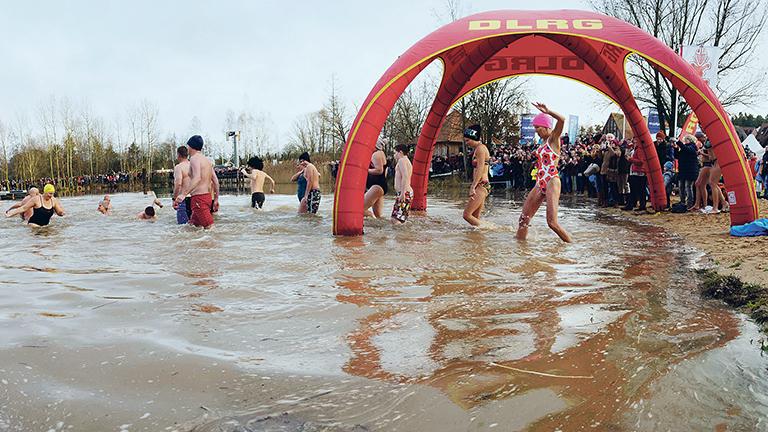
(654,125)
(573,127)
(527,131)
(704,60)
(689,127)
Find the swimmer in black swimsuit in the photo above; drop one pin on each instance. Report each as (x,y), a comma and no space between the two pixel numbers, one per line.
(376,184)
(42,208)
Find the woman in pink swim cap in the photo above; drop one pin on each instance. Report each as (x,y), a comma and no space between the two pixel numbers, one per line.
(547,178)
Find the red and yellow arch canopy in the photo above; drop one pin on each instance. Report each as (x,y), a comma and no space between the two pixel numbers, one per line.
(584,46)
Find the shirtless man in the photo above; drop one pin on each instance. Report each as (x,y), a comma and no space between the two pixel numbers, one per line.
(257,177)
(181,179)
(105,206)
(403,170)
(31,194)
(200,186)
(149,212)
(311,201)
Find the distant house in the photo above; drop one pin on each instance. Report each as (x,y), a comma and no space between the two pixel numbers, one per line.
(617,126)
(451,137)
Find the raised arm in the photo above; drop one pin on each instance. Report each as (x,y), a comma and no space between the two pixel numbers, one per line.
(245,173)
(554,137)
(296,176)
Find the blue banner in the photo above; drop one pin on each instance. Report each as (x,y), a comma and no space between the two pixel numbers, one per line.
(654,125)
(573,128)
(527,131)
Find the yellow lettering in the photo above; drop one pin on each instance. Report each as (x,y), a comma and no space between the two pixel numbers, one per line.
(515,25)
(485,25)
(587,24)
(557,24)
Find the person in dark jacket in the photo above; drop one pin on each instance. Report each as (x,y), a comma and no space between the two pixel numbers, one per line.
(663,149)
(686,154)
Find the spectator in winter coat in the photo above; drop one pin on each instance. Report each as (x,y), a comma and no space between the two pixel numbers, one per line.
(686,154)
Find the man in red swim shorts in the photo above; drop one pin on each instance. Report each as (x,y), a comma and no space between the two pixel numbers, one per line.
(200,186)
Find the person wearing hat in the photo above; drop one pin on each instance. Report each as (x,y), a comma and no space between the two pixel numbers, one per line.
(43,207)
(547,178)
(376,183)
(663,149)
(481,186)
(201,186)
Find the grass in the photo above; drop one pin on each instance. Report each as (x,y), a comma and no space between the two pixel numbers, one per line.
(752,299)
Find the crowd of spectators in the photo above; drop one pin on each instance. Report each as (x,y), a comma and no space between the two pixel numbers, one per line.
(112,179)
(602,167)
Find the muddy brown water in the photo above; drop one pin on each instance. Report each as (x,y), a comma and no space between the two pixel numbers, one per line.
(268,323)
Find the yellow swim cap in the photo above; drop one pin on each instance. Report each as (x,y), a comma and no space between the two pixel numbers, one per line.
(49,189)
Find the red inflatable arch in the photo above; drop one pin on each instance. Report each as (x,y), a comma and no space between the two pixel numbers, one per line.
(585,46)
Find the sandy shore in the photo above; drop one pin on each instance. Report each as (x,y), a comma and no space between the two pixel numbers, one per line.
(742,257)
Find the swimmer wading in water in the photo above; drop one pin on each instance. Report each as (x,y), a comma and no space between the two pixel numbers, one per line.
(43,207)
(547,178)
(481,186)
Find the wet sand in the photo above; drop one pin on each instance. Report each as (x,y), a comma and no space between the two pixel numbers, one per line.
(742,257)
(269,323)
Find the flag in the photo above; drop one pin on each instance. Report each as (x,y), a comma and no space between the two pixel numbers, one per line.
(573,127)
(689,127)
(704,60)
(527,131)
(654,125)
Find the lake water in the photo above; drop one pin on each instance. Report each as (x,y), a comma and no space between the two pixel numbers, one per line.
(269,323)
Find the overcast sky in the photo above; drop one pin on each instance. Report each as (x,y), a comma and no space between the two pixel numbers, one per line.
(201,58)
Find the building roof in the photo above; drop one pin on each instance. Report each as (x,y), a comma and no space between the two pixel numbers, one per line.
(451,130)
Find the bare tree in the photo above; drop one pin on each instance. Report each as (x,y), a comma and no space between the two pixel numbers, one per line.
(309,133)
(6,154)
(337,118)
(496,106)
(732,25)
(148,118)
(49,121)
(71,131)
(451,11)
(404,124)
(26,148)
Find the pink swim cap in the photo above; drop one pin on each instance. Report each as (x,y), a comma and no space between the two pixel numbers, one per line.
(542,120)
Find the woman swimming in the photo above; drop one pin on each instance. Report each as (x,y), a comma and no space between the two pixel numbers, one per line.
(547,178)
(480,187)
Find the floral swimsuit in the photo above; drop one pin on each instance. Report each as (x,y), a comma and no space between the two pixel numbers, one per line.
(547,166)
